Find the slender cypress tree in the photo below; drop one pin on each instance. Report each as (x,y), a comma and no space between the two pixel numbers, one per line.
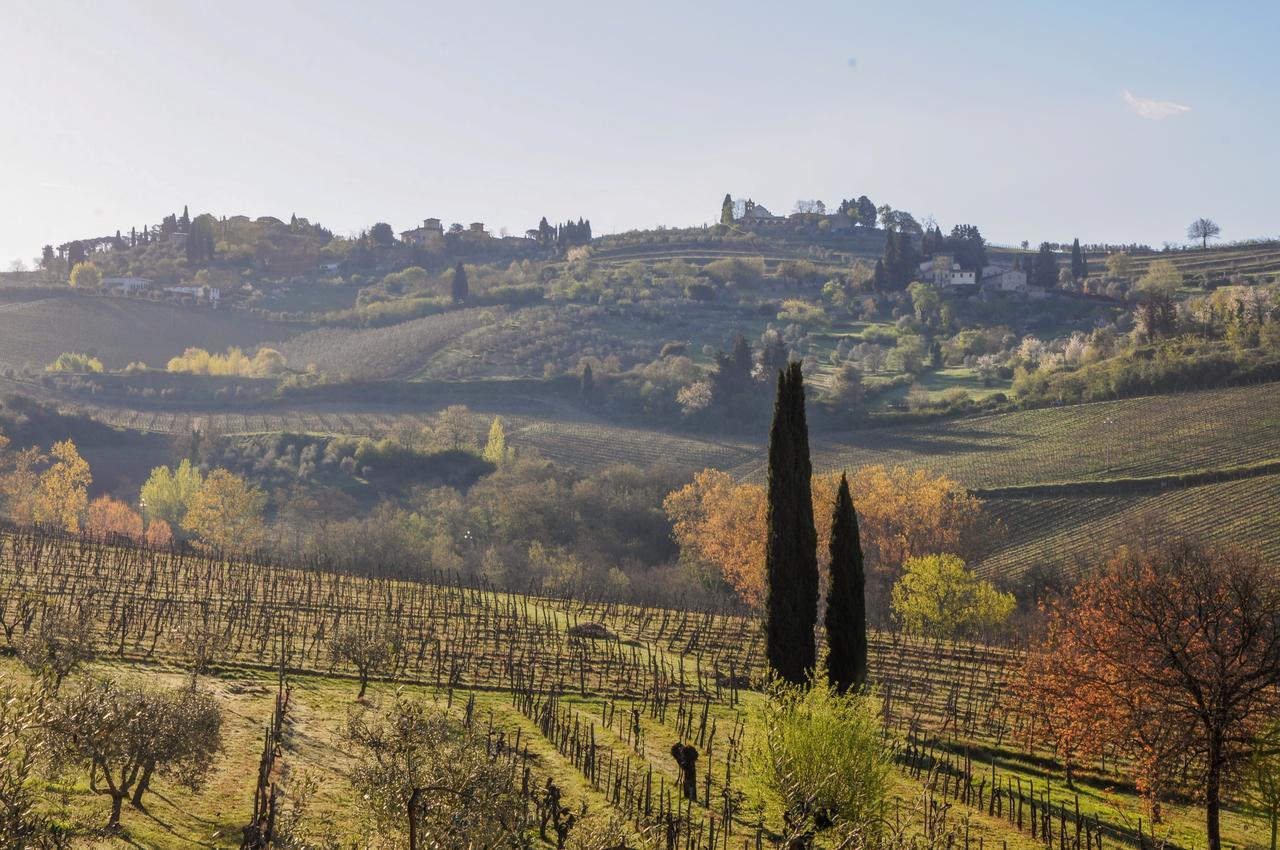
(587,386)
(461,290)
(846,618)
(791,545)
(1077,261)
(726,210)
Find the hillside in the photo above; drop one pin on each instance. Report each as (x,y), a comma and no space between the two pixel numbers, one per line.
(35,328)
(594,714)
(680,329)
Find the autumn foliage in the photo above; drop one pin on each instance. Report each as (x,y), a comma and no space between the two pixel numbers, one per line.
(112,516)
(1170,658)
(901,514)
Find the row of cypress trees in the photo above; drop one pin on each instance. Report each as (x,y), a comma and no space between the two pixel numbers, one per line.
(791,558)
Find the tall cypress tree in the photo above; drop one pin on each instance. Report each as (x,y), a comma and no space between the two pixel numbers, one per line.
(726,210)
(846,619)
(460,289)
(791,545)
(587,386)
(1077,261)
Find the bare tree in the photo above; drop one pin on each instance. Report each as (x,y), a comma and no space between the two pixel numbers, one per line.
(201,643)
(1203,229)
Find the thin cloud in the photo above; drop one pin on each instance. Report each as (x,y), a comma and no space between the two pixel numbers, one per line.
(1153,110)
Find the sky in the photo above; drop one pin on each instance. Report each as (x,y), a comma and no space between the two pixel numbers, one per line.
(1034,120)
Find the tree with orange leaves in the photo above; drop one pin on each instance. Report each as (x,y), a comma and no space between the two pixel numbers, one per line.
(901,514)
(159,534)
(1172,658)
(112,516)
(721,523)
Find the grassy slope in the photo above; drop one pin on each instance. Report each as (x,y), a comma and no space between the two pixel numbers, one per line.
(212,817)
(35,332)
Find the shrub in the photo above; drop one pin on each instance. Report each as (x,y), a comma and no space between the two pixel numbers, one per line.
(822,755)
(71,361)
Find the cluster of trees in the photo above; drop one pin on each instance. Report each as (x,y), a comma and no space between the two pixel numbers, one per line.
(265,363)
(562,236)
(903,514)
(222,510)
(860,209)
(76,362)
(201,241)
(48,489)
(900,264)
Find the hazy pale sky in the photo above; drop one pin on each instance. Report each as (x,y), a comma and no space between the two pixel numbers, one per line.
(1033,120)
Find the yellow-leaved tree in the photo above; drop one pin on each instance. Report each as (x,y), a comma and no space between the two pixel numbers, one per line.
(167,493)
(19,482)
(720,523)
(86,276)
(226,513)
(62,494)
(938,596)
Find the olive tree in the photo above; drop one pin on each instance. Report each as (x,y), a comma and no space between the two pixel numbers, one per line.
(370,649)
(426,778)
(23,711)
(124,734)
(185,729)
(61,642)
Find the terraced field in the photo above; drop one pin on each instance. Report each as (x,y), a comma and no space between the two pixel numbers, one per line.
(1261,259)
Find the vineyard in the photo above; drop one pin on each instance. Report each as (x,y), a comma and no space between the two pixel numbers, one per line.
(1059,530)
(121,331)
(586,694)
(396,351)
(1128,438)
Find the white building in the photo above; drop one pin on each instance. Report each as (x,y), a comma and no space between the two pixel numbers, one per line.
(944,271)
(126,284)
(213,293)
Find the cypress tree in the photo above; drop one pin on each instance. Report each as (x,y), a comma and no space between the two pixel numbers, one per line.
(726,210)
(1077,261)
(880,282)
(461,290)
(846,619)
(587,387)
(791,545)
